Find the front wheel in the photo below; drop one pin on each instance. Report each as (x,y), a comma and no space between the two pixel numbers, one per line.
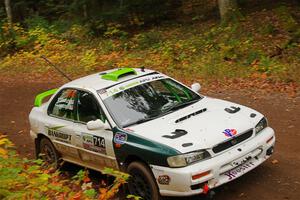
(142,182)
(48,153)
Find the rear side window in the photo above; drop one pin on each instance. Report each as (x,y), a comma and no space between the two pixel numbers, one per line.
(63,105)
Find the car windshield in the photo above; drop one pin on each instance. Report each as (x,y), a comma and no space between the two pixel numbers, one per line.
(149,101)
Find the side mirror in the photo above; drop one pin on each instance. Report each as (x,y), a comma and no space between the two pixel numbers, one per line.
(196,87)
(97,124)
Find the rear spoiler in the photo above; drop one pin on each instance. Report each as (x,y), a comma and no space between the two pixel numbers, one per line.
(39,98)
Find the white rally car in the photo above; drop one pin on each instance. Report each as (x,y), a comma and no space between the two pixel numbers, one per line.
(172,140)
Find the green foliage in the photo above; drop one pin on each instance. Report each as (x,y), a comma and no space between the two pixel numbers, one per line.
(289,23)
(133,197)
(77,33)
(268,29)
(114,30)
(147,40)
(269,66)
(37,21)
(261,43)
(7,37)
(107,46)
(39,35)
(22,178)
(89,60)
(253,55)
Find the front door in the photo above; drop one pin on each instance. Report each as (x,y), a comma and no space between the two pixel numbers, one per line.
(95,146)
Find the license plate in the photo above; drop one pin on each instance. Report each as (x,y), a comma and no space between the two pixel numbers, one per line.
(240,170)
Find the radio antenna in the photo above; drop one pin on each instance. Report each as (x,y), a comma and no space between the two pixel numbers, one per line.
(51,64)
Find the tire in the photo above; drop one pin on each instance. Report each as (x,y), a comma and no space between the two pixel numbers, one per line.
(48,153)
(142,182)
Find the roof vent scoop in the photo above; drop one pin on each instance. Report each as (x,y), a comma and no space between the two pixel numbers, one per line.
(119,73)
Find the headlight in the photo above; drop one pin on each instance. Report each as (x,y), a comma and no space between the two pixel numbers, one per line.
(186,159)
(261,125)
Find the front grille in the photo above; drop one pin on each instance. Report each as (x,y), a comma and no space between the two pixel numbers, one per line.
(234,141)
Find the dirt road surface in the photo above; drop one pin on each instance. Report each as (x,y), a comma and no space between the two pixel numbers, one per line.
(277,179)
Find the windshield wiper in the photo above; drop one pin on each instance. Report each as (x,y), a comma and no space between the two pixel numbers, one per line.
(140,121)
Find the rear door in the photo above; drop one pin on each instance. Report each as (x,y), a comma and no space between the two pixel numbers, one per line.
(59,125)
(95,146)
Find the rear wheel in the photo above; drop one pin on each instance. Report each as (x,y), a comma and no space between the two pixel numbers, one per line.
(142,182)
(48,153)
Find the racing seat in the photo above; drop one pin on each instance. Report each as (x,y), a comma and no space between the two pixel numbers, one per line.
(87,108)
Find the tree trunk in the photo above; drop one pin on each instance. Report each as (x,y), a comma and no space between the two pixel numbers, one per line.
(8,11)
(85,13)
(228,9)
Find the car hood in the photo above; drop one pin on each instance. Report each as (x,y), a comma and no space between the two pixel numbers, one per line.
(203,129)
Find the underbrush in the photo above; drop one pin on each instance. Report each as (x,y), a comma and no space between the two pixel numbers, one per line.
(263,44)
(22,178)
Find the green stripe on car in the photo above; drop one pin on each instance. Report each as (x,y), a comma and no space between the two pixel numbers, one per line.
(147,150)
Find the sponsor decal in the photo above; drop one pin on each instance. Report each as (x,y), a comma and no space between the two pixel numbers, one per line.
(126,85)
(232,109)
(164,180)
(230,132)
(93,143)
(55,127)
(102,91)
(122,88)
(176,134)
(71,94)
(59,135)
(232,174)
(151,78)
(63,103)
(120,138)
(129,129)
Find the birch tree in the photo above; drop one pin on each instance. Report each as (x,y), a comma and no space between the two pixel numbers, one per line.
(8,11)
(228,9)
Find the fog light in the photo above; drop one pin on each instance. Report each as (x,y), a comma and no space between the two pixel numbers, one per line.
(270,151)
(197,176)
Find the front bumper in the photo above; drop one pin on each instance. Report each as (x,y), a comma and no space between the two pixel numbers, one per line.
(223,168)
(33,135)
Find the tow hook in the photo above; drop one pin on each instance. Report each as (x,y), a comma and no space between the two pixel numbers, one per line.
(208,192)
(205,189)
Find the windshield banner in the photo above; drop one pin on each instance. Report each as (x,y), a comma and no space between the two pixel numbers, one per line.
(105,93)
